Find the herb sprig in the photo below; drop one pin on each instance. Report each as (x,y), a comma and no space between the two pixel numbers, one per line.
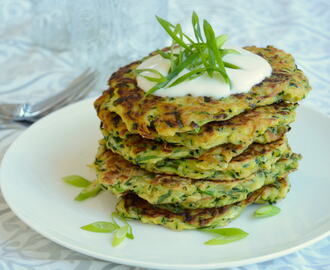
(202,55)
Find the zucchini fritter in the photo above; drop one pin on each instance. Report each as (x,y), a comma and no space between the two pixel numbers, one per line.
(254,158)
(142,151)
(192,162)
(131,206)
(259,125)
(152,116)
(121,177)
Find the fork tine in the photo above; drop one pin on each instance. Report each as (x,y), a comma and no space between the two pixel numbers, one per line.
(84,92)
(73,98)
(85,89)
(74,87)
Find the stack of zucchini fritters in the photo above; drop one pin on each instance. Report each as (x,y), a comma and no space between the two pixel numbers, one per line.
(191,162)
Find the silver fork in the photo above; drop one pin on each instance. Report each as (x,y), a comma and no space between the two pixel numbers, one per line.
(29,113)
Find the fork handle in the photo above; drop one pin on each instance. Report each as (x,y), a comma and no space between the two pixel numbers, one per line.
(73,87)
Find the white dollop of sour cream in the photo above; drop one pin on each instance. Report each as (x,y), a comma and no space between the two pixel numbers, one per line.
(253,70)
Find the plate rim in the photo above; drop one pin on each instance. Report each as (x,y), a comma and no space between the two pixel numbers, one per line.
(47,234)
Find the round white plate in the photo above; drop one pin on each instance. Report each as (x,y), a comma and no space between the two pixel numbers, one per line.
(66,141)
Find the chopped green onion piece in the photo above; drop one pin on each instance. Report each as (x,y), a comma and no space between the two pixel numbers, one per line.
(193,55)
(188,76)
(113,215)
(267,211)
(214,53)
(164,54)
(228,51)
(196,27)
(76,180)
(117,216)
(153,79)
(130,230)
(225,235)
(174,73)
(120,232)
(88,192)
(167,26)
(130,234)
(220,40)
(120,235)
(228,65)
(101,227)
(139,71)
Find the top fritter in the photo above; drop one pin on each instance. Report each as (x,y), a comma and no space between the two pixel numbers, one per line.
(152,116)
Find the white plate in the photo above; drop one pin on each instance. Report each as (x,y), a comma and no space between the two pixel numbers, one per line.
(65,141)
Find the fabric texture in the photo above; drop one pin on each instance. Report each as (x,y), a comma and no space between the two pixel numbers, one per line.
(300,27)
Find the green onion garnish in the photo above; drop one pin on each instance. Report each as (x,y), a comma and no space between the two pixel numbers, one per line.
(225,235)
(120,232)
(101,227)
(199,56)
(76,180)
(267,211)
(90,189)
(120,235)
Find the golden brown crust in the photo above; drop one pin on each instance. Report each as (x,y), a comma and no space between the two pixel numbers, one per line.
(121,177)
(256,157)
(150,115)
(242,129)
(132,206)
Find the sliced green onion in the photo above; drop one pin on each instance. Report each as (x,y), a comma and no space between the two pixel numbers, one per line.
(101,227)
(196,27)
(167,26)
(130,234)
(228,65)
(220,40)
(88,192)
(139,71)
(130,230)
(267,211)
(160,79)
(188,76)
(174,73)
(120,235)
(214,53)
(76,180)
(225,235)
(164,54)
(153,79)
(193,55)
(228,51)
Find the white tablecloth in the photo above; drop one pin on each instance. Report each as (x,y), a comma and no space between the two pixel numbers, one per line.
(299,27)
